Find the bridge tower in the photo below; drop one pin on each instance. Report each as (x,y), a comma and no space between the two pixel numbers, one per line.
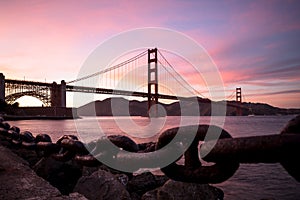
(238,93)
(152,80)
(58,94)
(2,88)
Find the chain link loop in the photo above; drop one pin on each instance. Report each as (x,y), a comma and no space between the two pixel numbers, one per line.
(192,170)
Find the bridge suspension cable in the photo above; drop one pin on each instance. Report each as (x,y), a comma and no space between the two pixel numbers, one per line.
(231,96)
(184,84)
(111,68)
(115,75)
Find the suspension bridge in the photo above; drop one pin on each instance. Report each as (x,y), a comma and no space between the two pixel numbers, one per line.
(148,74)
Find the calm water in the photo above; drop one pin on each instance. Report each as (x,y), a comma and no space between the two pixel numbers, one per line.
(251,181)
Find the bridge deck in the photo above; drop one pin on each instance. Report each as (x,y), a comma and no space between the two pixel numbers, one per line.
(71,88)
(23,82)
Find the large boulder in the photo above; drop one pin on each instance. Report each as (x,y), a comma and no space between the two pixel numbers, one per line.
(101,185)
(62,175)
(288,161)
(28,155)
(176,190)
(18,181)
(147,147)
(144,182)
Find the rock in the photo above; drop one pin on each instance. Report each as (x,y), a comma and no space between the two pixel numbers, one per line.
(101,185)
(4,125)
(122,178)
(62,175)
(150,195)
(114,171)
(293,126)
(176,190)
(144,182)
(77,196)
(18,181)
(135,196)
(28,155)
(87,171)
(147,147)
(43,138)
(124,142)
(3,131)
(290,164)
(14,128)
(13,134)
(161,179)
(27,136)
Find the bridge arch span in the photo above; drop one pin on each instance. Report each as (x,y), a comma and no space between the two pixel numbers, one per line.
(51,94)
(41,96)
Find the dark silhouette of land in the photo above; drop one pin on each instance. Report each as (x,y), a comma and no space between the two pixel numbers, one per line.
(137,108)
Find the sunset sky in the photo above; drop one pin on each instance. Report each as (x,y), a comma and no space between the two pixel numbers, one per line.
(255,44)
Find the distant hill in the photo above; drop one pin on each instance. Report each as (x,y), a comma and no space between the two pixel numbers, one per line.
(184,107)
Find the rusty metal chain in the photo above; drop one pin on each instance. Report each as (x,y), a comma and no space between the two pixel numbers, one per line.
(227,153)
(192,170)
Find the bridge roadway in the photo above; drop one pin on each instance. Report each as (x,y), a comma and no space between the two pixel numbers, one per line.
(72,88)
(32,83)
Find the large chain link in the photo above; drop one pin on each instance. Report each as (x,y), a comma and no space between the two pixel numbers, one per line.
(192,170)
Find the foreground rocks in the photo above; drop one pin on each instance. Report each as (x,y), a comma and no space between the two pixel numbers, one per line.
(86,182)
(142,183)
(101,185)
(18,181)
(95,184)
(62,175)
(28,174)
(184,191)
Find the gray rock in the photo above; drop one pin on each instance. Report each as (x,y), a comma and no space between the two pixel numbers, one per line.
(5,125)
(28,155)
(87,171)
(101,185)
(62,175)
(18,181)
(184,191)
(147,147)
(150,195)
(76,195)
(122,178)
(293,126)
(135,196)
(144,182)
(289,162)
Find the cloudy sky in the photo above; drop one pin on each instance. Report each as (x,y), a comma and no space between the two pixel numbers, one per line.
(255,44)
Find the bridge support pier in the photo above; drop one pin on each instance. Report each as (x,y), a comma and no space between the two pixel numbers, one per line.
(152,82)
(58,94)
(2,88)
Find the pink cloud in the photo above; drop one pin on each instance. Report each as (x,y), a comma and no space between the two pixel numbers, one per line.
(52,39)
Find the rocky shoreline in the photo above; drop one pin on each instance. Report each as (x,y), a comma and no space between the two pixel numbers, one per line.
(19,181)
(43,177)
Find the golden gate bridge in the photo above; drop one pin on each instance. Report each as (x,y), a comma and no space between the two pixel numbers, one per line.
(149,70)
